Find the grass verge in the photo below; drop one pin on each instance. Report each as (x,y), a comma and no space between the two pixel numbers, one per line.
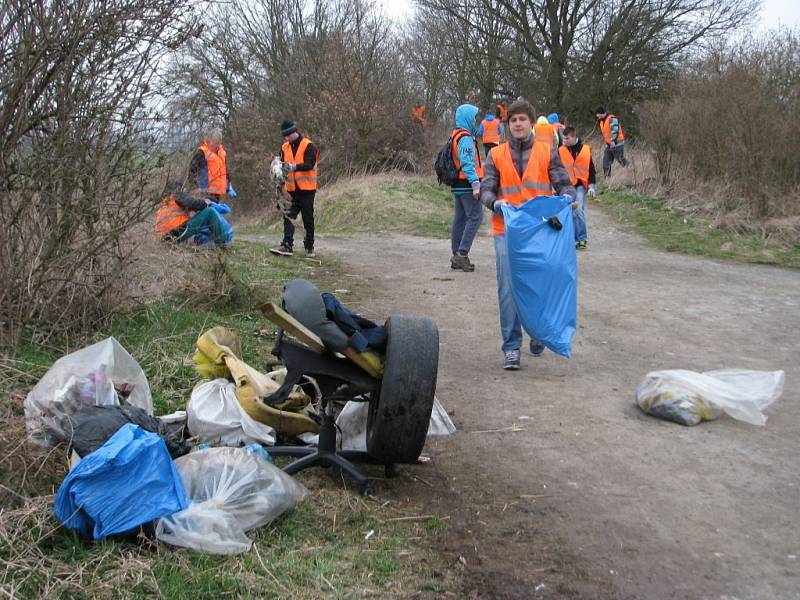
(321,549)
(394,203)
(669,230)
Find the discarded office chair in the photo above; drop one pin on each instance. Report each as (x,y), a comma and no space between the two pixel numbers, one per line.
(400,397)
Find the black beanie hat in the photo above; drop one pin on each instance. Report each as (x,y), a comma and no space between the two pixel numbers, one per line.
(288,126)
(600,111)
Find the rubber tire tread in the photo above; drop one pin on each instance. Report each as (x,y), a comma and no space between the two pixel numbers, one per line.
(397,423)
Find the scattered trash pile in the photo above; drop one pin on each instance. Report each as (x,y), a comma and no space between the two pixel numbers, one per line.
(688,398)
(199,478)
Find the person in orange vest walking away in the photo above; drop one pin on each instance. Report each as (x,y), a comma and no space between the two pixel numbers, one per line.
(515,172)
(418,115)
(614,138)
(491,132)
(300,157)
(208,169)
(577,160)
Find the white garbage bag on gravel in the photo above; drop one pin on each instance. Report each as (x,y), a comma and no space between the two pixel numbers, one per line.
(232,490)
(215,416)
(687,397)
(352,425)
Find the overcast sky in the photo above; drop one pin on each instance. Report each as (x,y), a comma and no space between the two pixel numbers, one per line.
(773,12)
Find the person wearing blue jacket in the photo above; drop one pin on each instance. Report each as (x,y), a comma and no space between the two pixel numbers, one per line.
(468,214)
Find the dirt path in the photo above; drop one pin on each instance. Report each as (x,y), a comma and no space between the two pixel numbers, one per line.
(588,497)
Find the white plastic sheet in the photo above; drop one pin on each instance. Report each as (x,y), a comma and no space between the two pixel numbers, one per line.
(352,425)
(215,416)
(232,490)
(92,376)
(688,397)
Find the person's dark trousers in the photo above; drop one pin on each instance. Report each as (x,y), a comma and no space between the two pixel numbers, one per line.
(610,155)
(302,204)
(487,147)
(467,219)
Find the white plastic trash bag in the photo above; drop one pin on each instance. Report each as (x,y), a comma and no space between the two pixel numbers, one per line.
(232,490)
(97,375)
(687,397)
(215,416)
(352,425)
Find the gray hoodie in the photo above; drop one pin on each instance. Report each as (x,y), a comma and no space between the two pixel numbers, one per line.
(520,153)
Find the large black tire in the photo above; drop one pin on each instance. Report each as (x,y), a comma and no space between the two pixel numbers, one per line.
(400,409)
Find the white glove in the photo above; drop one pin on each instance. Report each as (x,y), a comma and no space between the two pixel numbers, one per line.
(290,166)
(592,191)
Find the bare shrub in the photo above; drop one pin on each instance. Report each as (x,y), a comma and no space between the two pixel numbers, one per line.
(335,67)
(77,157)
(729,128)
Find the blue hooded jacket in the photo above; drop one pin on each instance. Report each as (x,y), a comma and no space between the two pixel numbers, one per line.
(467,148)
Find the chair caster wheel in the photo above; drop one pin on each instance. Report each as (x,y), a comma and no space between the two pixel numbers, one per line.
(366,490)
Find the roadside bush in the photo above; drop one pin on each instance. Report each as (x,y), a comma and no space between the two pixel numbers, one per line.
(76,153)
(732,121)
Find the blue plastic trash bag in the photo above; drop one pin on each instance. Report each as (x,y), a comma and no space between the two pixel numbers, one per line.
(544,269)
(127,482)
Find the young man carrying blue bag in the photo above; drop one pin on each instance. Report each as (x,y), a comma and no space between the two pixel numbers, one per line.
(515,172)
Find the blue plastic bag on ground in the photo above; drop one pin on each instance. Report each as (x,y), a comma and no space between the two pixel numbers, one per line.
(127,482)
(544,269)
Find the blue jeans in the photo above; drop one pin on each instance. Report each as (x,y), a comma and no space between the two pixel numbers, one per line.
(467,219)
(510,325)
(580,214)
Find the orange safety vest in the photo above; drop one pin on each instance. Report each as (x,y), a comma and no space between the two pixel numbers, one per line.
(456,137)
(544,133)
(491,131)
(577,167)
(535,180)
(217,168)
(169,216)
(503,112)
(605,128)
(299,180)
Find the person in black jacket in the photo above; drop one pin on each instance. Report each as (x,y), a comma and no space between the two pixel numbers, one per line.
(300,157)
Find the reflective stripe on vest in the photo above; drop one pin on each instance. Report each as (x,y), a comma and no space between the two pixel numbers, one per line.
(491,131)
(544,133)
(169,216)
(605,128)
(217,169)
(299,180)
(535,180)
(578,167)
(456,137)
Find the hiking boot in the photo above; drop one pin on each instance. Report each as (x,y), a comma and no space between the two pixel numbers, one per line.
(581,245)
(310,253)
(536,347)
(461,263)
(511,360)
(282,250)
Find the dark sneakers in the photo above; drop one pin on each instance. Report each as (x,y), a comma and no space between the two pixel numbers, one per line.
(282,250)
(310,253)
(536,347)
(511,360)
(461,263)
